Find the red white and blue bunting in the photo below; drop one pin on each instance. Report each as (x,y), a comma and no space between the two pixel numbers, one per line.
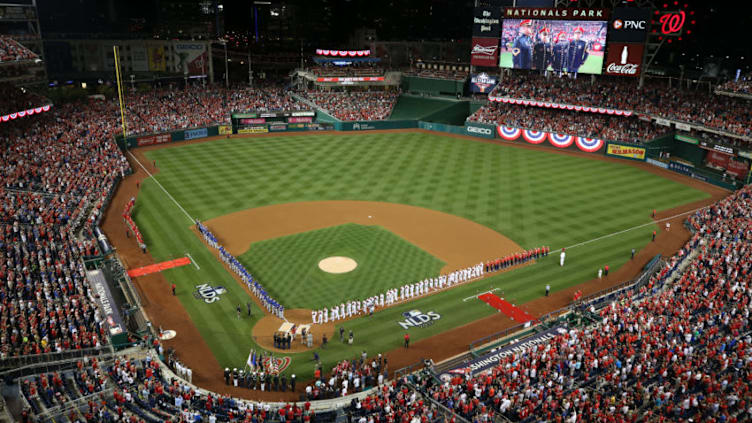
(343,53)
(24,113)
(589,145)
(509,134)
(559,140)
(534,137)
(548,105)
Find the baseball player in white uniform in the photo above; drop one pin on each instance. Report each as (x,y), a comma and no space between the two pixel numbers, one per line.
(562,256)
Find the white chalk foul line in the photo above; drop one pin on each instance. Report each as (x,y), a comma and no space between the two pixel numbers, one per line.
(193,261)
(630,229)
(163,189)
(478,295)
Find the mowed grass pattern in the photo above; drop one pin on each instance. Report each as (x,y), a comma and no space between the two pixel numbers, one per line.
(533,197)
(384,259)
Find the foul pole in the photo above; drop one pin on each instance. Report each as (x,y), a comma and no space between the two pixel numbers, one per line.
(118,77)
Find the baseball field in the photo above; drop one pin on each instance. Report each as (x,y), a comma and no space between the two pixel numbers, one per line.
(404,206)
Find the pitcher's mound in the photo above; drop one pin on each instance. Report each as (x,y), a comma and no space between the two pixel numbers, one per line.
(338,264)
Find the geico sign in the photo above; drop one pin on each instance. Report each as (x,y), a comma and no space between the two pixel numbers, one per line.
(628,69)
(477,130)
(620,24)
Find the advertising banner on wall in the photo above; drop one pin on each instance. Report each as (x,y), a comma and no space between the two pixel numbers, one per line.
(224,129)
(486,21)
(157,59)
(485,52)
(483,82)
(153,139)
(629,25)
(626,151)
(190,58)
(624,59)
(139,59)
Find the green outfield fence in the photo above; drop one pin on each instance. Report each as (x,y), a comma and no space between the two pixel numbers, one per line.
(691,155)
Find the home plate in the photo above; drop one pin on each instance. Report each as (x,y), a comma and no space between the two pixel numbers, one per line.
(167,334)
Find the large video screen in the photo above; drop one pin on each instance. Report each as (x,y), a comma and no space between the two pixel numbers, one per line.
(555,45)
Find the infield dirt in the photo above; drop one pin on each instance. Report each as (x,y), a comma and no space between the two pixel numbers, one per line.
(165,310)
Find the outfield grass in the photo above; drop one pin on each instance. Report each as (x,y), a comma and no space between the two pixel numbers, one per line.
(384,259)
(531,196)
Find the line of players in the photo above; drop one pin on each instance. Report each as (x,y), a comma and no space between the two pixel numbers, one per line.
(516,258)
(559,53)
(403,293)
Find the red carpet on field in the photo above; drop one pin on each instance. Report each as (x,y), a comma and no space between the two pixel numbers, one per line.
(158,267)
(506,307)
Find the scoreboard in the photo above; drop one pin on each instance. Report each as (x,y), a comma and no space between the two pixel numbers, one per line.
(256,118)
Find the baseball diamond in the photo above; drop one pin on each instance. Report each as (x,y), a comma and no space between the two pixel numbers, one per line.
(534,197)
(329,212)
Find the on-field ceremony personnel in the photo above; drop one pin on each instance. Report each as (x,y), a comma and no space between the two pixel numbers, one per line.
(633,251)
(562,256)
(248,306)
(542,51)
(238,310)
(578,52)
(606,270)
(548,289)
(292,382)
(350,340)
(600,273)
(227,376)
(173,289)
(407,340)
(560,53)
(522,48)
(341,334)
(653,235)
(323,341)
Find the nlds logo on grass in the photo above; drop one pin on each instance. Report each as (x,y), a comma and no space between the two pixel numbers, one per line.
(418,319)
(208,293)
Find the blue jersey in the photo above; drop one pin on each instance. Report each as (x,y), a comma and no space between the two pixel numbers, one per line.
(577,55)
(523,59)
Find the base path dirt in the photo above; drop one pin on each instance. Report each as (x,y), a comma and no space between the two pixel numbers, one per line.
(165,310)
(263,330)
(425,228)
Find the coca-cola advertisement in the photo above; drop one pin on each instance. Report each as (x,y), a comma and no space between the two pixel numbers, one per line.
(485,52)
(624,59)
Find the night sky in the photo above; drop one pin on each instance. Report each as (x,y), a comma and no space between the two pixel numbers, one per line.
(721,28)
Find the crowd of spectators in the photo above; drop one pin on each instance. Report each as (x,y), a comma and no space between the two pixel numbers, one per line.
(681,353)
(591,125)
(356,69)
(164,109)
(729,114)
(12,51)
(741,86)
(58,170)
(16,99)
(347,377)
(356,105)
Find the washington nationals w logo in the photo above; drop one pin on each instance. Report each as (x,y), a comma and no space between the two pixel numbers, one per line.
(672,22)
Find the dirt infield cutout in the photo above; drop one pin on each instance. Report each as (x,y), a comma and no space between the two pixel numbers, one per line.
(457,241)
(337,264)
